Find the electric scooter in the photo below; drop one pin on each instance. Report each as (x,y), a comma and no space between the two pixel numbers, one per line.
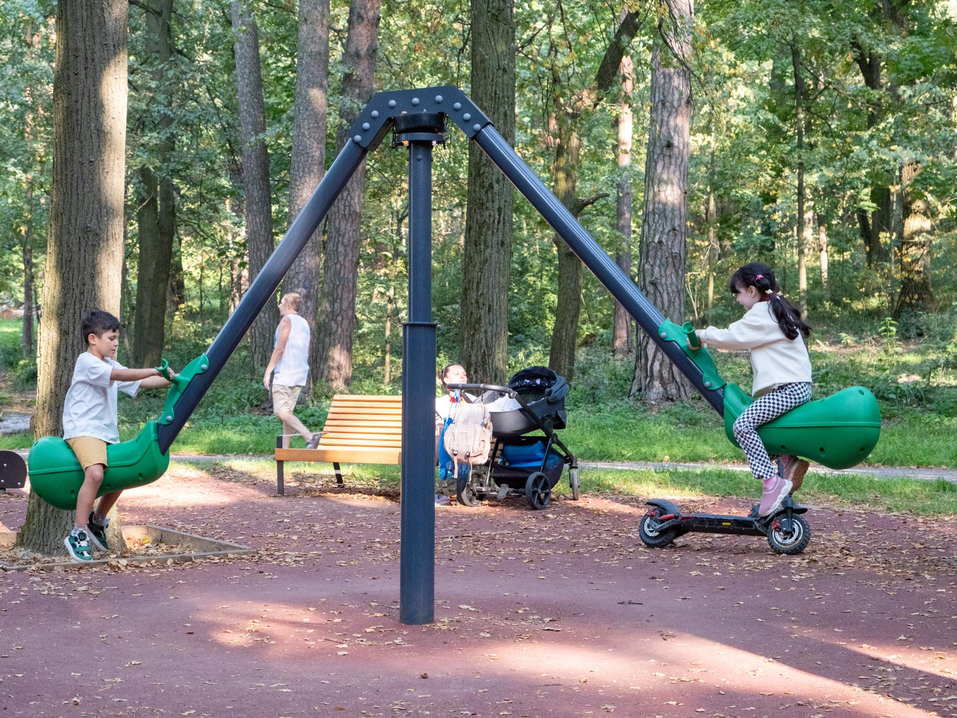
(786,529)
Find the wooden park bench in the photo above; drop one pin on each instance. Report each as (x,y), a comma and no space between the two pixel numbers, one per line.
(360,429)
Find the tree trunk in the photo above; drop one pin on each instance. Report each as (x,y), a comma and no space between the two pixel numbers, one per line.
(333,345)
(85,242)
(916,290)
(664,225)
(802,238)
(878,222)
(822,247)
(156,237)
(309,146)
(561,358)
(487,254)
(26,335)
(252,123)
(622,337)
(567,148)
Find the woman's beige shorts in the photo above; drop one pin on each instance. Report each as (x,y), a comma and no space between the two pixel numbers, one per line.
(89,450)
(284,398)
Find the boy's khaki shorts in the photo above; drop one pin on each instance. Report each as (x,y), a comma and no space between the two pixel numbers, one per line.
(284,398)
(89,450)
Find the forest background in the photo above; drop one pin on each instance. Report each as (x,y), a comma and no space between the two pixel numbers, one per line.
(822,140)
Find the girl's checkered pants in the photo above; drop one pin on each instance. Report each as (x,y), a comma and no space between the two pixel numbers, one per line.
(770,406)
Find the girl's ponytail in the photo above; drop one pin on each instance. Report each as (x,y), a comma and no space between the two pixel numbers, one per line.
(761,277)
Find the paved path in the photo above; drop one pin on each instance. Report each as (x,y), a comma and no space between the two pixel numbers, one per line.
(560,613)
(880,472)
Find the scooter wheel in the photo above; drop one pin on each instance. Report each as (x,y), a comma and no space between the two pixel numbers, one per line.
(464,491)
(651,536)
(538,492)
(789,542)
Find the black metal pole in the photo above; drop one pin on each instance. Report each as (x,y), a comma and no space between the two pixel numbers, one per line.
(263,288)
(417,555)
(619,284)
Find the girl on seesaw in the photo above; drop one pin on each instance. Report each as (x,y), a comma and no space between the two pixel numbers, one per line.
(771,330)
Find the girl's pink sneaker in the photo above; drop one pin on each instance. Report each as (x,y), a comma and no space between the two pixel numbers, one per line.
(776,490)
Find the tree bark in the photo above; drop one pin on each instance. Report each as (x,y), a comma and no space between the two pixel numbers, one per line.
(252,124)
(664,225)
(916,289)
(567,149)
(487,254)
(156,218)
(622,337)
(310,119)
(822,248)
(85,241)
(872,225)
(26,334)
(802,238)
(334,338)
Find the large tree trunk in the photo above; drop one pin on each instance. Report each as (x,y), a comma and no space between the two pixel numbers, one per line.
(622,337)
(802,239)
(487,254)
(252,124)
(309,146)
(561,358)
(26,335)
(85,242)
(156,218)
(872,225)
(916,290)
(333,345)
(664,226)
(568,112)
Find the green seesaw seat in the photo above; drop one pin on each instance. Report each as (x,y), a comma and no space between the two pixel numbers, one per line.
(838,431)
(56,475)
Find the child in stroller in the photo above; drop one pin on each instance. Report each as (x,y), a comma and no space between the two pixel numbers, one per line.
(527,457)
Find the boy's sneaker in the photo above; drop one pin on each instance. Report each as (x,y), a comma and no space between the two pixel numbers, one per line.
(442,500)
(776,490)
(97,533)
(793,470)
(78,544)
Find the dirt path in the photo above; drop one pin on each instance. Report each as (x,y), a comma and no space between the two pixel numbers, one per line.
(554,613)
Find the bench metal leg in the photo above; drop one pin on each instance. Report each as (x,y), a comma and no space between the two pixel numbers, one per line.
(280,484)
(338,471)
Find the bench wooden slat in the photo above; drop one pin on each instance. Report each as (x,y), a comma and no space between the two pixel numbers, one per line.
(385,425)
(360,429)
(330,432)
(365,411)
(365,398)
(372,441)
(345,455)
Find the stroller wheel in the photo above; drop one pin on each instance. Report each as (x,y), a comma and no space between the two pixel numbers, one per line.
(573,482)
(464,491)
(538,491)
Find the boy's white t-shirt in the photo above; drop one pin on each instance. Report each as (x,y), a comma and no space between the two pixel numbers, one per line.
(90,406)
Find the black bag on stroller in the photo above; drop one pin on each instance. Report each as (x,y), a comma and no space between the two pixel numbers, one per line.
(527,457)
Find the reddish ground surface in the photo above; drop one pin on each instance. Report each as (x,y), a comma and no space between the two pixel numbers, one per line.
(554,613)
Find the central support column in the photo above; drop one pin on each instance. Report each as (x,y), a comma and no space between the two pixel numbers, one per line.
(417,554)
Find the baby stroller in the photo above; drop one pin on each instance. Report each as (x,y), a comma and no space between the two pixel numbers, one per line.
(527,457)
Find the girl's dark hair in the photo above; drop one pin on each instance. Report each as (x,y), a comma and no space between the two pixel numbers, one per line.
(444,373)
(761,277)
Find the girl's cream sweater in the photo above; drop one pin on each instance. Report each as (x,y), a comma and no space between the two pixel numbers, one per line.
(775,359)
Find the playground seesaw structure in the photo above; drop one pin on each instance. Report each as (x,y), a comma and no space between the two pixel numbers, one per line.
(838,431)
